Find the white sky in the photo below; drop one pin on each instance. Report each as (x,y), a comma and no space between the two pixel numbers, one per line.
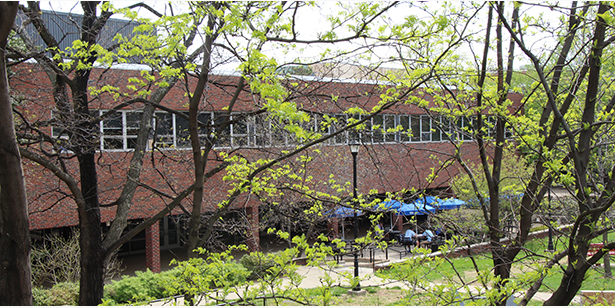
(308,23)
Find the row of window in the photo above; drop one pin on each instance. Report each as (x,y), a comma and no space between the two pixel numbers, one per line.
(119,131)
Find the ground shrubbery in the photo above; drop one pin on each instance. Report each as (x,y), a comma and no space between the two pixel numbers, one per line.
(257,263)
(61,294)
(145,286)
(188,278)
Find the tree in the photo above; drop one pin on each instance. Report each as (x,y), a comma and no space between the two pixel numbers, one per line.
(15,285)
(72,156)
(560,134)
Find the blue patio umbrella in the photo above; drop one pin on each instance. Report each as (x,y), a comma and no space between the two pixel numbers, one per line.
(342,212)
(391,205)
(388,206)
(449,204)
(415,208)
(427,199)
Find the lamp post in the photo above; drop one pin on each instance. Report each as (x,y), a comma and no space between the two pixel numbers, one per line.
(354,150)
(550,244)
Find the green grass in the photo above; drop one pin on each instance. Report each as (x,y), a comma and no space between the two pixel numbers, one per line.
(594,279)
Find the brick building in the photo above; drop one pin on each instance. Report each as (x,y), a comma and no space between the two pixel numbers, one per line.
(388,162)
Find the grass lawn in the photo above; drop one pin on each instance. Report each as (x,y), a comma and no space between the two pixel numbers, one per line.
(462,270)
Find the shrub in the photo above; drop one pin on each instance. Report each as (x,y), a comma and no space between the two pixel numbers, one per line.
(229,274)
(56,260)
(145,286)
(257,263)
(61,294)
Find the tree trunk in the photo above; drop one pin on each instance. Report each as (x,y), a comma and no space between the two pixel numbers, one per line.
(607,257)
(569,286)
(92,257)
(15,283)
(200,160)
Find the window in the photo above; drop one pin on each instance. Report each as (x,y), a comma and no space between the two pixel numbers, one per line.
(338,124)
(389,128)
(222,133)
(466,128)
(260,130)
(415,127)
(425,128)
(447,129)
(119,130)
(377,129)
(404,133)
(239,131)
(436,132)
(163,126)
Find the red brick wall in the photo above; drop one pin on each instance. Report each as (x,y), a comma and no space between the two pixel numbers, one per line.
(383,168)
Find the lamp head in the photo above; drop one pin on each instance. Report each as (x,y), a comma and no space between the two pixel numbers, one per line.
(354,146)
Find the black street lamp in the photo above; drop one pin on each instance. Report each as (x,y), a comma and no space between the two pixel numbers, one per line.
(550,244)
(354,150)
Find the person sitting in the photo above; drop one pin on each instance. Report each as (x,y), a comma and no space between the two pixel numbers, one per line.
(409,239)
(428,237)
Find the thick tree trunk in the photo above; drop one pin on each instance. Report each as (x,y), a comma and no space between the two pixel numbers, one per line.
(15,283)
(92,256)
(569,286)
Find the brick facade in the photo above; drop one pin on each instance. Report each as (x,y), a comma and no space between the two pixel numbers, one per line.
(383,167)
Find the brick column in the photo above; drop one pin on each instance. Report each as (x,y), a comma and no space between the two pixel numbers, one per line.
(152,247)
(334,227)
(253,233)
(399,222)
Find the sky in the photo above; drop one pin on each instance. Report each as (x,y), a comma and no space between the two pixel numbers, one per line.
(311,24)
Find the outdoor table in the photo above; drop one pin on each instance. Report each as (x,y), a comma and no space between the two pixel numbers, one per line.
(394,235)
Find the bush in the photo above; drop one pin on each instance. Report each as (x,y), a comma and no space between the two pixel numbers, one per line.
(57,260)
(61,294)
(257,263)
(229,274)
(145,286)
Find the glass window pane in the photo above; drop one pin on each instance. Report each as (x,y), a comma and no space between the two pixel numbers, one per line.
(339,125)
(415,125)
(113,121)
(353,133)
(436,132)
(133,118)
(131,143)
(389,124)
(164,128)
(425,128)
(404,134)
(240,126)
(182,131)
(366,133)
(222,130)
(377,128)
(204,118)
(113,144)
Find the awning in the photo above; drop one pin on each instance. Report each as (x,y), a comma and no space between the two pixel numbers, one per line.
(391,205)
(415,208)
(341,212)
(449,204)
(427,199)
